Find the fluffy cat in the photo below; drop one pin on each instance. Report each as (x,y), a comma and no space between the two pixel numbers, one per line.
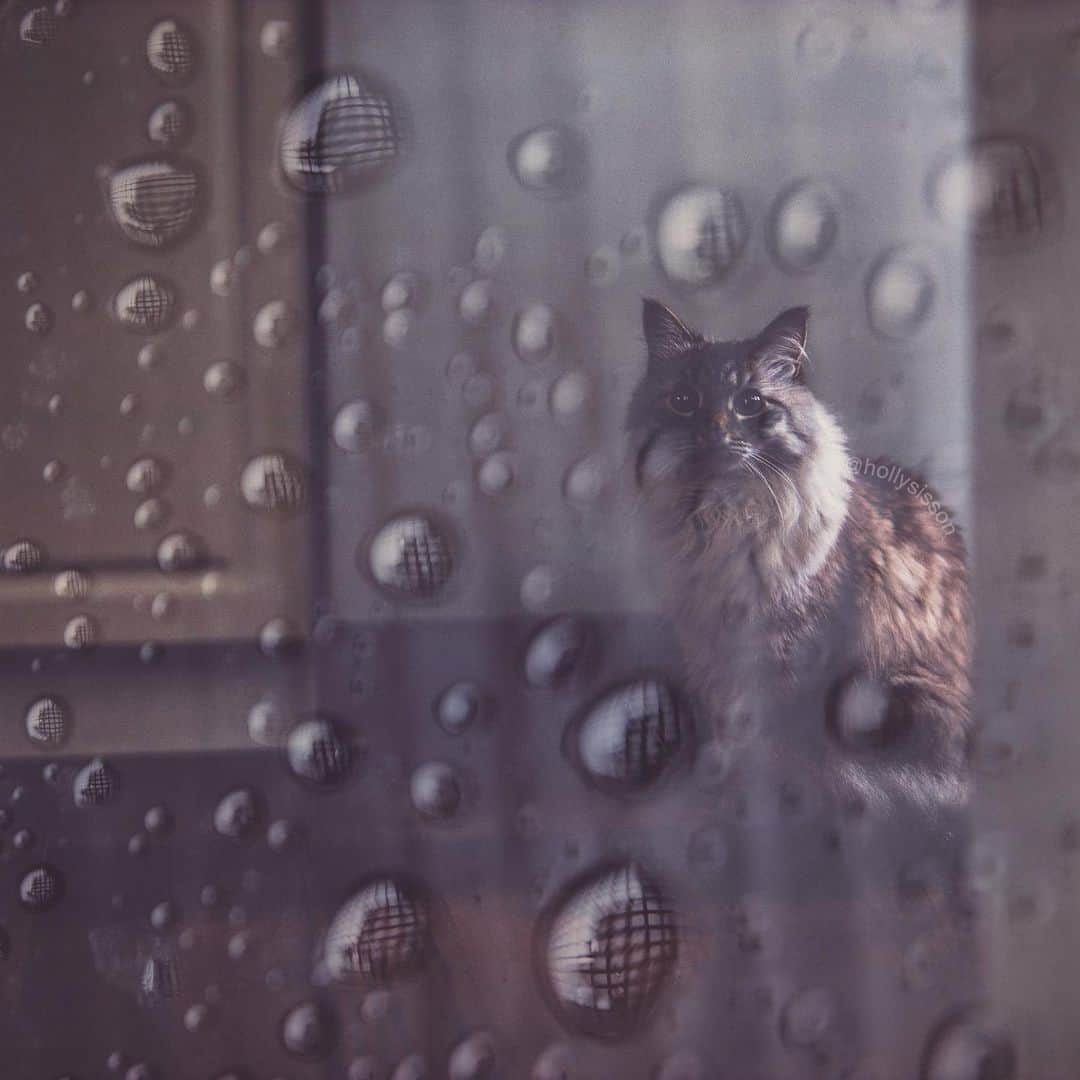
(800,587)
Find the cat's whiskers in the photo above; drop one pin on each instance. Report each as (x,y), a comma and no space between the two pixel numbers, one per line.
(763,459)
(747,461)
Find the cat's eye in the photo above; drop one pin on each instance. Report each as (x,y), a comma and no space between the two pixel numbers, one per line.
(684,400)
(748,403)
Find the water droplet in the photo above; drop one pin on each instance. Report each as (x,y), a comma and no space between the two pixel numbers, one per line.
(411,557)
(550,160)
(357,426)
(274,482)
(397,326)
(27,281)
(71,585)
(308,1031)
(273,325)
(476,302)
(495,475)
(237,814)
(807,1017)
(80,632)
(48,722)
(534,333)
(610,948)
(554,1063)
(37,26)
(803,226)
(342,134)
(95,784)
(154,202)
(169,124)
(273,236)
(267,722)
(224,276)
(401,291)
(473,1058)
(276,39)
(278,636)
(900,293)
(81,302)
(378,935)
(996,190)
(585,480)
(860,715)
(413,1067)
(969,1046)
(180,551)
(626,739)
(700,234)
(41,888)
(457,708)
(538,587)
(151,513)
(170,51)
(491,246)
(554,651)
(435,791)
(163,915)
(487,434)
(23,557)
(146,475)
(223,379)
(318,752)
(53,472)
(602,266)
(38,319)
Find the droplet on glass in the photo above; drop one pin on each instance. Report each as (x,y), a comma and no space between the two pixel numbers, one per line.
(538,587)
(48,722)
(554,651)
(585,480)
(22,557)
(357,426)
(491,246)
(274,482)
(411,557)
(495,474)
(624,741)
(700,234)
(899,295)
(277,39)
(154,202)
(401,291)
(38,319)
(609,949)
(475,303)
(859,713)
(969,1046)
(380,934)
(550,160)
(41,888)
(473,1058)
(151,513)
(553,1063)
(457,707)
(223,379)
(486,435)
(338,137)
(318,753)
(533,333)
(37,26)
(80,632)
(237,814)
(803,227)
(180,551)
(170,51)
(435,791)
(273,325)
(95,784)
(145,304)
(169,124)
(308,1031)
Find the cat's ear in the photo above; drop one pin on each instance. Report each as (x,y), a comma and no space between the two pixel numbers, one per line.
(666,335)
(783,343)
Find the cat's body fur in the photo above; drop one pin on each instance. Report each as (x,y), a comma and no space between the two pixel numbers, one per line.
(792,579)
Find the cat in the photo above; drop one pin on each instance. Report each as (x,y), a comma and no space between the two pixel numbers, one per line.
(801,587)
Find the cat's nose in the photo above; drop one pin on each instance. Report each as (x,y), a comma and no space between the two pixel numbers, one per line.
(720,426)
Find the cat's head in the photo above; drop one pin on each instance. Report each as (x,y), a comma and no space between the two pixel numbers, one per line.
(729,426)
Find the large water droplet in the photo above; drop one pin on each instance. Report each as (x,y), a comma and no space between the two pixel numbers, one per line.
(969,1047)
(435,790)
(700,234)
(22,557)
(803,227)
(379,934)
(358,426)
(146,304)
(37,26)
(411,556)
(554,651)
(237,814)
(318,752)
(95,784)
(277,39)
(170,51)
(274,482)
(996,190)
(41,888)
(626,739)
(550,160)
(342,134)
(308,1031)
(154,202)
(48,722)
(80,632)
(899,294)
(180,551)
(273,324)
(610,948)
(146,475)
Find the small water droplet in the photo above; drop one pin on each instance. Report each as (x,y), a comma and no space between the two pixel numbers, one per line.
(411,556)
(900,294)
(549,160)
(555,651)
(495,475)
(151,513)
(38,319)
(154,202)
(180,551)
(533,333)
(237,814)
(401,291)
(170,51)
(223,379)
(318,752)
(435,791)
(274,482)
(41,888)
(95,784)
(276,39)
(473,1058)
(273,325)
(538,587)
(357,426)
(476,302)
(48,722)
(457,708)
(23,557)
(169,124)
(80,632)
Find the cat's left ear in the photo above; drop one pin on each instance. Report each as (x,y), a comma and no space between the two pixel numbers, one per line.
(666,335)
(783,342)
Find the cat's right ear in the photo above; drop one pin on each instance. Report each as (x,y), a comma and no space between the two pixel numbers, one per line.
(666,335)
